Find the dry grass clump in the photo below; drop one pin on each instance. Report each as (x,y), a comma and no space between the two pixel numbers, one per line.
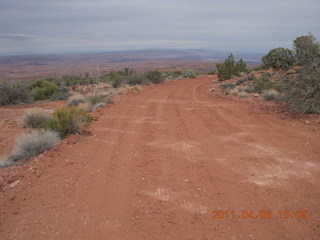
(75,100)
(243,94)
(270,95)
(68,120)
(31,145)
(34,118)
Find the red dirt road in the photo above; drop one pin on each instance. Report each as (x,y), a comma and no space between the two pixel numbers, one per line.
(158,164)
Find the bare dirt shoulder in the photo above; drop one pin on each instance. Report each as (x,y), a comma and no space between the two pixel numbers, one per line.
(157,165)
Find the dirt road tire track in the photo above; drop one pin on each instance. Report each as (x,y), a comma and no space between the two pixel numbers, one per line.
(159,162)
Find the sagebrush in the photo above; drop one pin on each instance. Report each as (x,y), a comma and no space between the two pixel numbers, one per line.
(34,118)
(68,120)
(31,145)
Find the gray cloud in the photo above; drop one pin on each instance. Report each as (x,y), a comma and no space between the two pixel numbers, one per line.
(44,26)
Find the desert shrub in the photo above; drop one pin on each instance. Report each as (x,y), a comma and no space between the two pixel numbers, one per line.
(135,79)
(226,88)
(154,76)
(242,80)
(109,101)
(34,118)
(94,99)
(246,89)
(243,94)
(99,105)
(68,120)
(75,100)
(189,73)
(262,83)
(14,93)
(302,93)
(270,95)
(260,67)
(31,145)
(62,94)
(279,58)
(227,85)
(43,89)
(118,81)
(234,91)
(230,68)
(173,74)
(307,51)
(212,72)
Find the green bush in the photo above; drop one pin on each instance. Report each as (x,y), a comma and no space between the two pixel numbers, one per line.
(94,99)
(154,76)
(302,93)
(68,120)
(189,73)
(279,58)
(307,51)
(34,118)
(118,81)
(62,94)
(242,80)
(262,83)
(31,145)
(173,74)
(43,89)
(136,79)
(14,93)
(212,72)
(230,68)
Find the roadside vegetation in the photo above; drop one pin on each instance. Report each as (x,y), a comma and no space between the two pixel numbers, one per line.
(30,145)
(84,94)
(58,88)
(230,68)
(291,77)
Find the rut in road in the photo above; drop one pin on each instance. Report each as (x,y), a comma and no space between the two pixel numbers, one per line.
(159,163)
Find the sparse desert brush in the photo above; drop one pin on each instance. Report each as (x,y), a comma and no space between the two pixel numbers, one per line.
(137,89)
(262,83)
(243,94)
(189,73)
(34,118)
(136,78)
(234,91)
(95,99)
(63,94)
(242,80)
(99,105)
(109,101)
(154,76)
(246,89)
(31,145)
(302,93)
(14,93)
(43,89)
(212,72)
(68,120)
(230,68)
(75,100)
(270,95)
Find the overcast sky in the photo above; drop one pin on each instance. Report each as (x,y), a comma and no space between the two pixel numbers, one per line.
(57,26)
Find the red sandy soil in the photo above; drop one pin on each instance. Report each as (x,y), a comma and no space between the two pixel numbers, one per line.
(158,163)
